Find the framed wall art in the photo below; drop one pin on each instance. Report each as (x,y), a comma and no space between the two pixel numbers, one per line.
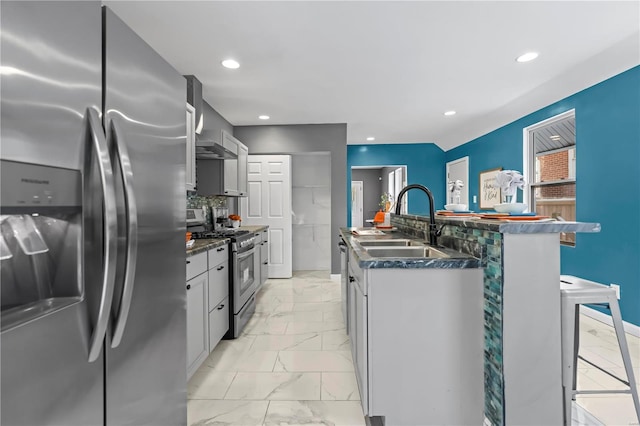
(489,194)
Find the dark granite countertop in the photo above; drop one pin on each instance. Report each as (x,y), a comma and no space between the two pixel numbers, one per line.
(206,244)
(254,228)
(456,260)
(519,226)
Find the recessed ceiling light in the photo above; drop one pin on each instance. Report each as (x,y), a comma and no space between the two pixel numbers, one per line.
(529,56)
(264,117)
(371,138)
(230,63)
(450,113)
(554,137)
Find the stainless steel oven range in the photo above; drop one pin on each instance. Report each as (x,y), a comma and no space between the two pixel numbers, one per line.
(242,281)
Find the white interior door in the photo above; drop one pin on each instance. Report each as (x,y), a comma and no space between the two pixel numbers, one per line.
(458,169)
(356,204)
(269,203)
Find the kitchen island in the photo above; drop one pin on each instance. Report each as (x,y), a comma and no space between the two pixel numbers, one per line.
(521,264)
(415,327)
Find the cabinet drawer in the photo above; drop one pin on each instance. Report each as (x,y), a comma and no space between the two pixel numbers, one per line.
(357,273)
(218,284)
(218,323)
(196,265)
(257,238)
(218,255)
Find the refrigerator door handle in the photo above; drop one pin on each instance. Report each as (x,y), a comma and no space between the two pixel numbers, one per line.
(110,229)
(132,234)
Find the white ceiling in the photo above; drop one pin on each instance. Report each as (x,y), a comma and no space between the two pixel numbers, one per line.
(390,69)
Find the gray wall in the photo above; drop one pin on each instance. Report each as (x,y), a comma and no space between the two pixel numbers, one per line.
(371,190)
(298,138)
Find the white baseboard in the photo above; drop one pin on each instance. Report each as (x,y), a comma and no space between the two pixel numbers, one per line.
(632,329)
(335,277)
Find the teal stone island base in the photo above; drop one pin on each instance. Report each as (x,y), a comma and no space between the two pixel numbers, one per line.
(522,358)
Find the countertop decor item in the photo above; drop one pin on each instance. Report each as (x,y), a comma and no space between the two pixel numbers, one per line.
(386,202)
(509,181)
(510,207)
(235,220)
(489,193)
(456,207)
(454,189)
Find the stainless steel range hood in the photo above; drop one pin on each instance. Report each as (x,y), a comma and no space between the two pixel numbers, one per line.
(209,147)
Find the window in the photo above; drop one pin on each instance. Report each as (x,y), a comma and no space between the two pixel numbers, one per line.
(550,169)
(395,182)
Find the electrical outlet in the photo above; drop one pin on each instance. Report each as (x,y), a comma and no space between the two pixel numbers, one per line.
(475,199)
(616,287)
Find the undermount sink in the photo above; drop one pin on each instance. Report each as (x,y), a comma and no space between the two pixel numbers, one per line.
(404,252)
(387,243)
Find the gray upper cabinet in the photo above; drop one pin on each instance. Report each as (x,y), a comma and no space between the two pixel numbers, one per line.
(224,177)
(243,158)
(190,178)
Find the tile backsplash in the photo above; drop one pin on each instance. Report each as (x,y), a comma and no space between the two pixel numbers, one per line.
(195,201)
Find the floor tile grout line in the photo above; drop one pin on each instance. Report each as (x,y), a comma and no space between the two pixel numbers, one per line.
(264,418)
(229,386)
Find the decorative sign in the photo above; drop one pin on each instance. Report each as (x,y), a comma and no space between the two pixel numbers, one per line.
(489,191)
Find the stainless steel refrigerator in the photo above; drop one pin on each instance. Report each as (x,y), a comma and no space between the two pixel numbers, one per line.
(93,217)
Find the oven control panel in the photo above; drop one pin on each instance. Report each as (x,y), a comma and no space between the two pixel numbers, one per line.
(247,242)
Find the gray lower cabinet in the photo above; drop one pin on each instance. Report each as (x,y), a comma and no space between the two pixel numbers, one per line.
(218,317)
(218,322)
(417,343)
(207,304)
(197,324)
(257,270)
(358,333)
(361,356)
(264,257)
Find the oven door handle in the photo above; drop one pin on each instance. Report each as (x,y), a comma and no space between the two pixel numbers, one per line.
(244,255)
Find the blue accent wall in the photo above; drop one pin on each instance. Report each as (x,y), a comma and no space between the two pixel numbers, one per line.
(607,179)
(425,165)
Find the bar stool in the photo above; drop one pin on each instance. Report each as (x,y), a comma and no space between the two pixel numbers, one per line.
(574,292)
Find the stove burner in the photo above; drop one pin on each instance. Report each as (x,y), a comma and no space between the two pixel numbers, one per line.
(231,233)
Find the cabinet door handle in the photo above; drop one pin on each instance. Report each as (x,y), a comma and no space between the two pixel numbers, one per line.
(220,249)
(220,307)
(188,286)
(351,279)
(188,262)
(265,263)
(220,268)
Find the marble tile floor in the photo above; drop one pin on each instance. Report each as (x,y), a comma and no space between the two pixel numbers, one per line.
(598,344)
(292,365)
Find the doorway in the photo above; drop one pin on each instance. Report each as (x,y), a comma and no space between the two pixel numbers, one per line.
(458,170)
(378,183)
(357,218)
